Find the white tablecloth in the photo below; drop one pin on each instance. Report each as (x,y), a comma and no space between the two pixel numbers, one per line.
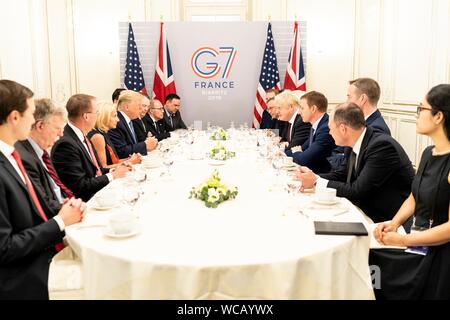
(257,246)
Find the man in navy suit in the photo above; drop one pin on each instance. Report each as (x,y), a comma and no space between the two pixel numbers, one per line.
(28,233)
(172,115)
(124,136)
(74,157)
(314,152)
(154,120)
(297,131)
(378,174)
(365,93)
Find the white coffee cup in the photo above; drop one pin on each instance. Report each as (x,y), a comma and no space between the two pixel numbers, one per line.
(325,194)
(122,223)
(107,198)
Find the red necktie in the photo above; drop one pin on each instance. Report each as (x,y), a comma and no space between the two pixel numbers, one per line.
(51,170)
(94,159)
(32,192)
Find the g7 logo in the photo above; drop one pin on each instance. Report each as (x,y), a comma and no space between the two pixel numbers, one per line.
(211,69)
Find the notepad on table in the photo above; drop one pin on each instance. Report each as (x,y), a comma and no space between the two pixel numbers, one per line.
(340,228)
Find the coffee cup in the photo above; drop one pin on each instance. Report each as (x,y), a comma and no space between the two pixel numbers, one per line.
(122,223)
(325,194)
(107,198)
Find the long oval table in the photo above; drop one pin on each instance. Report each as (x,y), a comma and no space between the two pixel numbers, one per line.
(260,245)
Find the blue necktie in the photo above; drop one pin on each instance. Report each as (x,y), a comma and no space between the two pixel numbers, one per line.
(133,134)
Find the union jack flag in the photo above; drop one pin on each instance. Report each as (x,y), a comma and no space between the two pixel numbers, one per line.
(163,83)
(134,78)
(295,72)
(268,78)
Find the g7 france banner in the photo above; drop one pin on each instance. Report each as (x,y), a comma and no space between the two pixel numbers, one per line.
(216,65)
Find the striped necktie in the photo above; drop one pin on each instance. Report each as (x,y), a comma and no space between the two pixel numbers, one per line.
(32,193)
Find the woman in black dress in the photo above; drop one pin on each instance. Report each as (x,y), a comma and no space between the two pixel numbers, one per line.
(407,275)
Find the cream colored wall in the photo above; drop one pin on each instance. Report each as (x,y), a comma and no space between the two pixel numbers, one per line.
(60,47)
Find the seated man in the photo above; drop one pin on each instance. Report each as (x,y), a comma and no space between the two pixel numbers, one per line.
(139,125)
(314,152)
(297,131)
(378,175)
(124,137)
(267,120)
(29,235)
(48,127)
(365,93)
(154,120)
(116,94)
(73,155)
(172,115)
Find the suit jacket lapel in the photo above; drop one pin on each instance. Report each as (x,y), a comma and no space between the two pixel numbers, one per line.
(124,124)
(8,167)
(364,144)
(80,144)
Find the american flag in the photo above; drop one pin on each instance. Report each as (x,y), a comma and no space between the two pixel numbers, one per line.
(163,83)
(268,78)
(295,72)
(134,78)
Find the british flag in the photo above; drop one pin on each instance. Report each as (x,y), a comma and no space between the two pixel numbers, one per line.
(163,83)
(295,72)
(268,78)
(134,79)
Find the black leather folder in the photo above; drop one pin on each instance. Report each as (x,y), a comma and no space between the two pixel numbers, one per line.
(340,228)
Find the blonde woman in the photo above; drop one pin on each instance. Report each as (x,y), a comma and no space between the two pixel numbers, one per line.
(107,119)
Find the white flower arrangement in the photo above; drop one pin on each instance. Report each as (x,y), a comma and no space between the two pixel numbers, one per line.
(219,134)
(213,192)
(219,152)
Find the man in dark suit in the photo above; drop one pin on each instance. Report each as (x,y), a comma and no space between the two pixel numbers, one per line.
(314,152)
(73,155)
(378,175)
(124,137)
(28,234)
(267,119)
(365,93)
(297,131)
(48,127)
(139,125)
(154,120)
(172,115)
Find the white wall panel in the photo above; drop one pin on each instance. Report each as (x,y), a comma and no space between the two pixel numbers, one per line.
(330,44)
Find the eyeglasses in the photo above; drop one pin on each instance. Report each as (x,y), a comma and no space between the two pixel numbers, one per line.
(420,108)
(157,108)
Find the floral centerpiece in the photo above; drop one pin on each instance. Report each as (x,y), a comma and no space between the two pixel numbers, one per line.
(219,134)
(219,152)
(213,192)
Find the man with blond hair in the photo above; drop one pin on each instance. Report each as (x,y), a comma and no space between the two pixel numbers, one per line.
(297,131)
(124,137)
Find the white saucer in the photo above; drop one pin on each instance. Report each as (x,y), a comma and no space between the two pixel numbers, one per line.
(289,165)
(109,233)
(331,202)
(151,165)
(216,162)
(196,157)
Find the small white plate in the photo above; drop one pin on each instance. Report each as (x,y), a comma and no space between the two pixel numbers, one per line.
(330,202)
(109,233)
(96,206)
(289,165)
